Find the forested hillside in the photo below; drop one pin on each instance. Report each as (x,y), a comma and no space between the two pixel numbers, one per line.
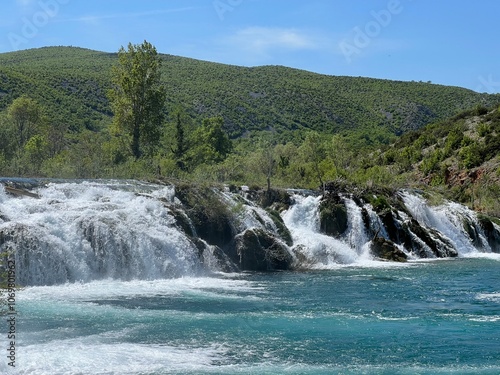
(458,157)
(70,113)
(71,83)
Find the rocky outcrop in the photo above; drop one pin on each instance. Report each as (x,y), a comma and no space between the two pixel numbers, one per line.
(386,249)
(492,232)
(257,250)
(333,215)
(211,223)
(427,242)
(210,217)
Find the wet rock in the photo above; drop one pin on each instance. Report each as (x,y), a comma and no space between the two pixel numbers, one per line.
(258,250)
(333,215)
(440,246)
(210,217)
(492,233)
(386,249)
(277,199)
(283,231)
(183,222)
(473,232)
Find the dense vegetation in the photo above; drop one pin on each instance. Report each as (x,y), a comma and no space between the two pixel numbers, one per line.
(72,84)
(270,125)
(459,157)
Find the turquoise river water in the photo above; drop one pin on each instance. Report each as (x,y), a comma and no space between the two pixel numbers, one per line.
(433,317)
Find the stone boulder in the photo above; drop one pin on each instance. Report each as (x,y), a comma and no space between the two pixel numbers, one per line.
(333,215)
(386,249)
(258,250)
(492,233)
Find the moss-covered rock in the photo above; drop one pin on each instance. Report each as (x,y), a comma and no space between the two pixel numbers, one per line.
(386,249)
(258,250)
(333,218)
(283,231)
(278,199)
(211,218)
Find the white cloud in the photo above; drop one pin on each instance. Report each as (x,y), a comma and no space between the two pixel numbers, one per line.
(96,18)
(263,40)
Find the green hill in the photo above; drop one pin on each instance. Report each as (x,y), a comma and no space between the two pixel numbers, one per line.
(459,157)
(71,83)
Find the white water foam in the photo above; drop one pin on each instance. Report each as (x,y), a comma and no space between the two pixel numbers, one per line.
(495,297)
(87,231)
(86,356)
(247,214)
(104,289)
(319,251)
(448,219)
(357,237)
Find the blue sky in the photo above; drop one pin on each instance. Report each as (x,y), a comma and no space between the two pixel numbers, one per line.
(442,41)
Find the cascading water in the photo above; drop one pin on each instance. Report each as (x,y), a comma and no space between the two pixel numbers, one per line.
(451,220)
(356,236)
(121,238)
(88,231)
(315,249)
(129,230)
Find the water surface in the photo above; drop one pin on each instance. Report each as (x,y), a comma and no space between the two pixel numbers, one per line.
(435,317)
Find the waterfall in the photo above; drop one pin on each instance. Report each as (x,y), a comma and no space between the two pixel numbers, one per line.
(357,237)
(455,222)
(87,231)
(83,231)
(314,249)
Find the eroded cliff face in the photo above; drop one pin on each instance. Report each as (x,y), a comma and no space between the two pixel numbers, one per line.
(81,231)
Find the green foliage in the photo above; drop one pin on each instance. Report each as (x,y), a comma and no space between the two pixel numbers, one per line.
(238,125)
(138,97)
(25,114)
(313,151)
(431,162)
(484,129)
(71,83)
(36,151)
(470,155)
(210,144)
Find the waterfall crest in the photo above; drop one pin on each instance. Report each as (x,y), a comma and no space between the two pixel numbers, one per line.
(77,232)
(87,231)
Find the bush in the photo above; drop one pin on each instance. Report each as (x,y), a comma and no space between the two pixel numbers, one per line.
(471,156)
(483,129)
(480,110)
(431,163)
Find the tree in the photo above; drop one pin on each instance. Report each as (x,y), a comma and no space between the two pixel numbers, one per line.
(35,151)
(138,97)
(212,143)
(181,145)
(314,153)
(340,153)
(25,113)
(267,162)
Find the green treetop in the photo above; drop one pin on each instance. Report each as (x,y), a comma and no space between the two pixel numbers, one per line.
(138,97)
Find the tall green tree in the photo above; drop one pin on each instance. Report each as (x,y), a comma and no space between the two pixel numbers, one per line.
(181,143)
(267,162)
(212,144)
(138,97)
(25,114)
(314,153)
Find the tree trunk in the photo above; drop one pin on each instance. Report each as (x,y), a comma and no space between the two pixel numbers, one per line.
(136,146)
